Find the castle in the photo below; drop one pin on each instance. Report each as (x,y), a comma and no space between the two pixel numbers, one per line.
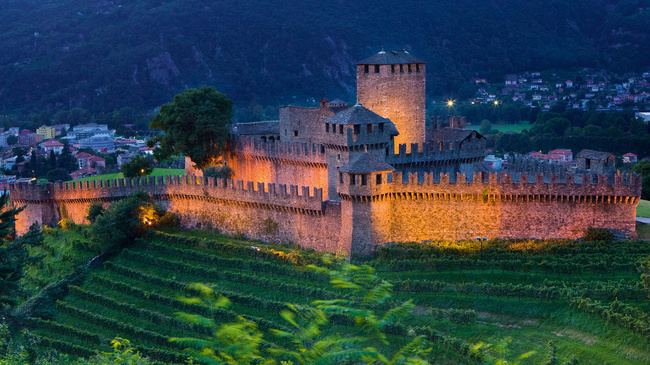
(345,179)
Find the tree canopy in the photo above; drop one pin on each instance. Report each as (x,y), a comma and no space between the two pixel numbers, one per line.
(194,124)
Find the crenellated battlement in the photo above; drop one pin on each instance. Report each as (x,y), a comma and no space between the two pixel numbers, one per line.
(618,188)
(266,195)
(433,152)
(291,152)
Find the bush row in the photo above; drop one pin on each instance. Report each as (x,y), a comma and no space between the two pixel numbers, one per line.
(457,345)
(230,275)
(243,248)
(557,266)
(66,347)
(500,247)
(252,265)
(38,323)
(128,330)
(141,313)
(616,312)
(175,303)
(463,316)
(606,290)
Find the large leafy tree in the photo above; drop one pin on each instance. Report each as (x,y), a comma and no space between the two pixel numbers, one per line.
(139,166)
(195,124)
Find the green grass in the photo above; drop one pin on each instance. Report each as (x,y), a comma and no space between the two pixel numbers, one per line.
(119,175)
(150,275)
(643,209)
(505,128)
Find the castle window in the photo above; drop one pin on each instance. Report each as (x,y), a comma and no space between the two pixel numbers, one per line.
(366,69)
(338,157)
(322,149)
(441,146)
(381,127)
(410,68)
(357,129)
(327,127)
(351,179)
(392,68)
(341,129)
(285,132)
(401,68)
(263,138)
(295,133)
(417,67)
(364,179)
(340,178)
(378,179)
(369,128)
(376,69)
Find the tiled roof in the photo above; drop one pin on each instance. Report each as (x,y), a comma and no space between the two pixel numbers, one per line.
(390,58)
(594,155)
(253,128)
(453,134)
(366,163)
(358,114)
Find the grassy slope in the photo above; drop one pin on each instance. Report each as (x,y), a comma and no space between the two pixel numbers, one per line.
(505,128)
(119,175)
(643,210)
(146,274)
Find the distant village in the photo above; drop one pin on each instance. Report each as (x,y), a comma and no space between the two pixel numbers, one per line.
(586,90)
(90,144)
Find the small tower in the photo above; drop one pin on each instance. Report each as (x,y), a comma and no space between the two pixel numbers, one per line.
(363,188)
(392,84)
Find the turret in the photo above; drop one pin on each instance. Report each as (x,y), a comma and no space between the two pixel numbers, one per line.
(392,84)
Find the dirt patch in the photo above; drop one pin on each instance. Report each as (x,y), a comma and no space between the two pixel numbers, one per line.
(576,335)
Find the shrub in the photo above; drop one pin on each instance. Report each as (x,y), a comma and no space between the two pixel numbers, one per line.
(220,172)
(139,166)
(168,220)
(122,222)
(95,210)
(598,234)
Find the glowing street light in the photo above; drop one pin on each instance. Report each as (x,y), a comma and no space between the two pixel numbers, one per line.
(496,103)
(450,103)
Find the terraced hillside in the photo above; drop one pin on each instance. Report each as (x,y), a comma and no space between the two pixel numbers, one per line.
(587,299)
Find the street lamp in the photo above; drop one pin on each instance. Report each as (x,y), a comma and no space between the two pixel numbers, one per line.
(496,103)
(450,103)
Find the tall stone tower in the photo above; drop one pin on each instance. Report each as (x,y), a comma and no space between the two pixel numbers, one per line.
(392,84)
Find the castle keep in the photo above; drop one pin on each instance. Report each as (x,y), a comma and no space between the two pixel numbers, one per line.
(345,179)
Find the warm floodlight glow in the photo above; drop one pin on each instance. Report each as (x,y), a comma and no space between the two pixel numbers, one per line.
(451,102)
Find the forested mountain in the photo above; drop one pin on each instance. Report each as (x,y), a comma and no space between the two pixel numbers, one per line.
(104,55)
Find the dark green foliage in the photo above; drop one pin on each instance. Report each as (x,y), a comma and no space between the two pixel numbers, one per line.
(195,124)
(122,223)
(12,256)
(599,234)
(218,172)
(138,166)
(57,174)
(95,210)
(12,140)
(617,132)
(643,168)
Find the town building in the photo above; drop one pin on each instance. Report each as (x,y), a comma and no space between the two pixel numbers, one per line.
(46,132)
(52,145)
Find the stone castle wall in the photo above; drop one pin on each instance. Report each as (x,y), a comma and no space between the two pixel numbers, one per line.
(405,209)
(397,95)
(270,212)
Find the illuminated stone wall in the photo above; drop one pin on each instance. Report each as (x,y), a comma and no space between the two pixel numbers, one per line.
(398,96)
(413,209)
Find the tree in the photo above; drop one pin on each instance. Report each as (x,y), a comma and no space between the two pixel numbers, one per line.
(12,140)
(95,210)
(194,124)
(12,255)
(311,338)
(139,166)
(123,222)
(486,127)
(643,168)
(57,174)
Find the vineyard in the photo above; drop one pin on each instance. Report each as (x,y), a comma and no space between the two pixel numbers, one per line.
(478,301)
